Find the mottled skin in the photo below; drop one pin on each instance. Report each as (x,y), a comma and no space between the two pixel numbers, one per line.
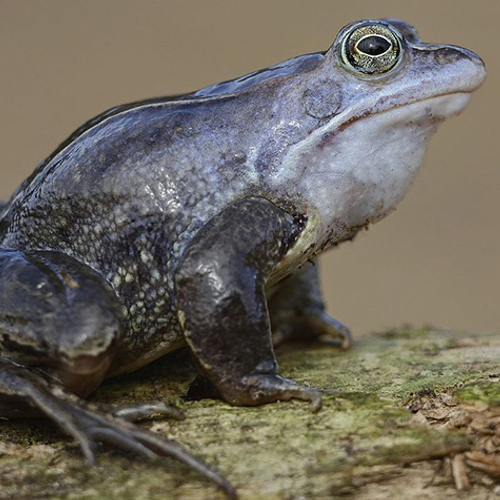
(176,220)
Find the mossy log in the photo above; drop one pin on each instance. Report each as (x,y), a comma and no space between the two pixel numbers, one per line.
(413,414)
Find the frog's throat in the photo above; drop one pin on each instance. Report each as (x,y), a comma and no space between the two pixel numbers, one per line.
(358,174)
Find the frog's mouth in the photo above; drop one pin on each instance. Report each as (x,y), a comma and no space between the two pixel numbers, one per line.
(448,105)
(441,107)
(436,108)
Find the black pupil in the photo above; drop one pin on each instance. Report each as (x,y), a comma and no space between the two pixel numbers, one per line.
(373,45)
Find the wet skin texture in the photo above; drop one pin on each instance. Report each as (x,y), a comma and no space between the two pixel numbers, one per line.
(194,219)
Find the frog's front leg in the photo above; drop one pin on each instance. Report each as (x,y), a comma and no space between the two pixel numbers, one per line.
(222,302)
(298,312)
(60,324)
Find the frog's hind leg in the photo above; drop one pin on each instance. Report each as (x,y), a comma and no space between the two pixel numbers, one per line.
(50,308)
(59,315)
(297,311)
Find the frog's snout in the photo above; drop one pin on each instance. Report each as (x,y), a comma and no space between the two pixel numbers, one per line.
(463,66)
(453,54)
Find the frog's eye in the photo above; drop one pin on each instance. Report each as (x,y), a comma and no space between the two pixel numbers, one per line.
(371,49)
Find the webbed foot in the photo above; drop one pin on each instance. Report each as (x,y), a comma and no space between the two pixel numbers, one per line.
(313,327)
(88,426)
(298,313)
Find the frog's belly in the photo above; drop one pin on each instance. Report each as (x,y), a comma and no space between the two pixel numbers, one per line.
(144,282)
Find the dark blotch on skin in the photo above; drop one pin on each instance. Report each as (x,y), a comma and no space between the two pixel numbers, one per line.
(323,99)
(447,55)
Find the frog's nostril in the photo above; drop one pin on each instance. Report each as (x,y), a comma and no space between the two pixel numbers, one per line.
(466,65)
(447,55)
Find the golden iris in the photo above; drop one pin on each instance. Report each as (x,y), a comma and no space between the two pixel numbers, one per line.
(371,49)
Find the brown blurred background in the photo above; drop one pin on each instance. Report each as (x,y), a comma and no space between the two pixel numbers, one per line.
(434,261)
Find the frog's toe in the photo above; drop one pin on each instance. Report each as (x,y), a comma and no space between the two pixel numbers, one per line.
(129,437)
(318,326)
(124,435)
(331,331)
(89,425)
(257,389)
(148,410)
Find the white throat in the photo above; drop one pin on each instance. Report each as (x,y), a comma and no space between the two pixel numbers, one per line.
(353,174)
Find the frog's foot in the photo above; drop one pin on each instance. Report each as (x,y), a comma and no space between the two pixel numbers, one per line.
(260,388)
(148,410)
(89,426)
(314,327)
(297,312)
(254,390)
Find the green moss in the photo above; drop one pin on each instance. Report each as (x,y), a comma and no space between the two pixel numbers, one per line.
(406,332)
(482,392)
(415,445)
(362,436)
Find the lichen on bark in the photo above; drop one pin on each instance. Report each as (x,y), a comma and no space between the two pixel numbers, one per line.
(414,413)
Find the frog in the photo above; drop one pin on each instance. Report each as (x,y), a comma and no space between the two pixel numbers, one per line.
(196,221)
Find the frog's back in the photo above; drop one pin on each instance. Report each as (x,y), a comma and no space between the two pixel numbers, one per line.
(143,163)
(126,192)
(161,167)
